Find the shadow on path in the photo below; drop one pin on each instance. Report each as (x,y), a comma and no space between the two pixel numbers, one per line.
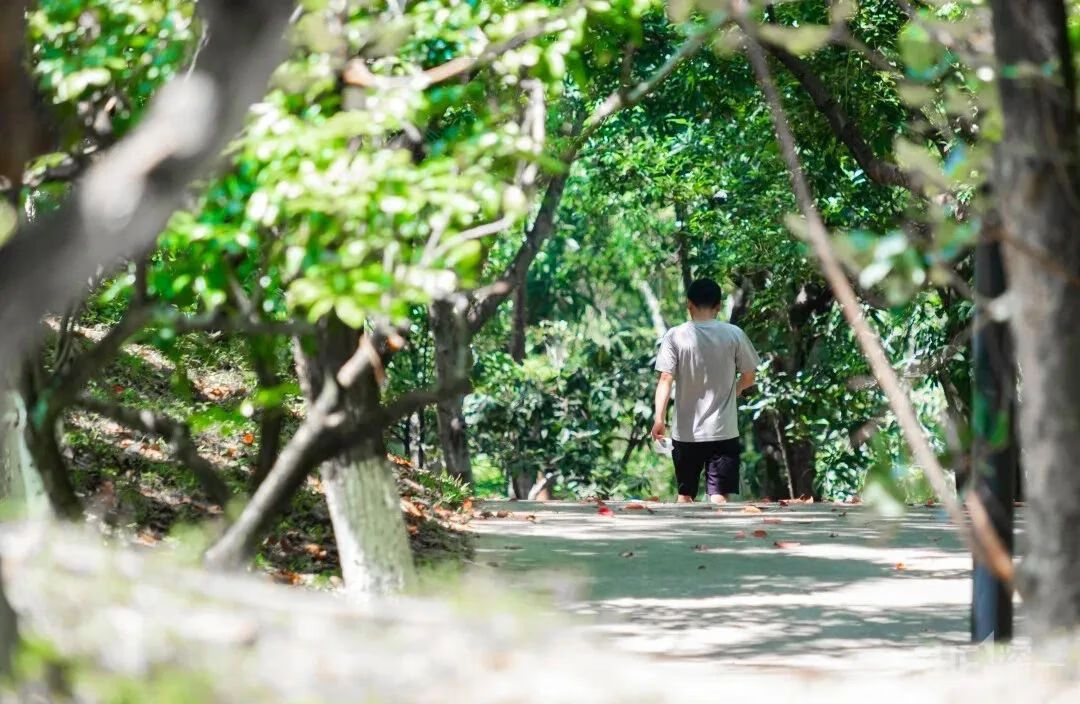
(824,587)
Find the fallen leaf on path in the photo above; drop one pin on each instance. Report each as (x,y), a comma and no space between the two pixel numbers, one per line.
(530,518)
(467,506)
(805,500)
(784,503)
(759,533)
(248,438)
(701,548)
(832,535)
(751,509)
(502,514)
(626,554)
(653,498)
(410,508)
(770,520)
(899,566)
(147,538)
(486,514)
(287,577)
(605,511)
(315,550)
(701,567)
(930,503)
(786,544)
(740,535)
(633,507)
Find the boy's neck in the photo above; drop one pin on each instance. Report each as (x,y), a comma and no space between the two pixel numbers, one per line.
(706,316)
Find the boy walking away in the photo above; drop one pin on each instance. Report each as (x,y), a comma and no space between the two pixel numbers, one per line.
(710,363)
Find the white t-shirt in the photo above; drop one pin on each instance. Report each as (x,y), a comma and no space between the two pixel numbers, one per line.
(706,360)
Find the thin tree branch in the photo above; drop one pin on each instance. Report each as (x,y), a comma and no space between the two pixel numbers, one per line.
(356,72)
(984,544)
(177,434)
(845,129)
(544,223)
(622,98)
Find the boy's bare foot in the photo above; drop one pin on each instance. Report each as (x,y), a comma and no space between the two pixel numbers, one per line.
(718,499)
(684,499)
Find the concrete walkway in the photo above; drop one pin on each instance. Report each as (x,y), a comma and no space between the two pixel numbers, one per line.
(826,587)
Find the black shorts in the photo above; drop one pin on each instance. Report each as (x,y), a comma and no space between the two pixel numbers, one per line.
(719,459)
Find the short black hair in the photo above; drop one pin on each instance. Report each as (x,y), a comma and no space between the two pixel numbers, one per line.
(705,293)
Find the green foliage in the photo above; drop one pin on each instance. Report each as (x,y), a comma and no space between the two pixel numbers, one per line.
(569,410)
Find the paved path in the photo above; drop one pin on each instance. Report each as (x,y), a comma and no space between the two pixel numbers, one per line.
(856,592)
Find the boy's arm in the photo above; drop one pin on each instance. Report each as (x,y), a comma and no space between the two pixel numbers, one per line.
(663,395)
(746,380)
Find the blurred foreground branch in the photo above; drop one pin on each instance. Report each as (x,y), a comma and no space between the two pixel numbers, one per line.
(127,196)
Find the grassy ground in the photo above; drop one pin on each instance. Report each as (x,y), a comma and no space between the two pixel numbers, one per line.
(131,485)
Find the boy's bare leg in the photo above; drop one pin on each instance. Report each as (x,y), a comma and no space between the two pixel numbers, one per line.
(718,499)
(684,499)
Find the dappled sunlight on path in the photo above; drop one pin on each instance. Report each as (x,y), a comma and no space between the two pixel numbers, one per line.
(824,587)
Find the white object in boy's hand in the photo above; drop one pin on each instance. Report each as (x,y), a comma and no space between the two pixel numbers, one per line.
(662,446)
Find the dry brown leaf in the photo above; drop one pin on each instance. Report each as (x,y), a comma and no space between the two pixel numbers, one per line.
(899,566)
(654,499)
(287,577)
(751,509)
(502,514)
(770,520)
(628,553)
(248,439)
(759,533)
(633,507)
(410,508)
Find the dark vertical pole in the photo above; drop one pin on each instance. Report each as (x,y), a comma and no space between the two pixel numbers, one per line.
(994,446)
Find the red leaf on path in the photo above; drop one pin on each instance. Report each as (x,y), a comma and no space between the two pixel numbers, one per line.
(930,503)
(605,511)
(653,498)
(751,509)
(899,566)
(786,544)
(784,503)
(248,438)
(759,533)
(633,507)
(740,535)
(770,520)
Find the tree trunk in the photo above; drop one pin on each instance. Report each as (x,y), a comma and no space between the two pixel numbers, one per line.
(452,361)
(682,240)
(416,440)
(774,484)
(272,419)
(521,320)
(19,480)
(365,507)
(1037,190)
(43,447)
